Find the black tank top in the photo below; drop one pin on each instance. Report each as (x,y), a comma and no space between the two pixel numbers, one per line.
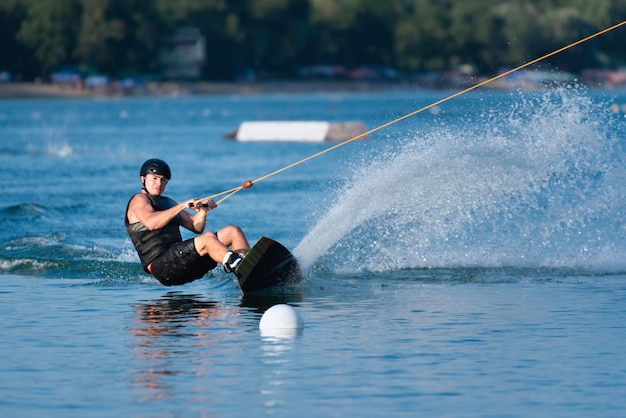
(149,244)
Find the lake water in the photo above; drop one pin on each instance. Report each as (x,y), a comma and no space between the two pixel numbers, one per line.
(465,262)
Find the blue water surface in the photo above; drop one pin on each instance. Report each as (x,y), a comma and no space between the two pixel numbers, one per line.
(466,261)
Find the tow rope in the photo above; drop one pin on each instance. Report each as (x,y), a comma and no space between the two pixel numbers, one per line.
(248,183)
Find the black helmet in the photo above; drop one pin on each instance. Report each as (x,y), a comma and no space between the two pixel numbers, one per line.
(156,166)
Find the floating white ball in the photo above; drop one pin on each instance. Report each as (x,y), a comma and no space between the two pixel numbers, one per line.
(281,317)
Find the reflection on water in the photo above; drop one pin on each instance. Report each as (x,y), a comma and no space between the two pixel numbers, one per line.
(170,330)
(170,315)
(187,334)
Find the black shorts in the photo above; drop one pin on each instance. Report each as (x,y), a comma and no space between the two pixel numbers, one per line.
(181,264)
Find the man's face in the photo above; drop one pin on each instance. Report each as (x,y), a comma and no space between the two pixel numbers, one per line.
(155,184)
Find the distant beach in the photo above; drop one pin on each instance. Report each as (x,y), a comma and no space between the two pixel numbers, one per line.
(173,89)
(523,79)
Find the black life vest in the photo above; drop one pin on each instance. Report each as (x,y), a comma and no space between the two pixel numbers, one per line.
(149,244)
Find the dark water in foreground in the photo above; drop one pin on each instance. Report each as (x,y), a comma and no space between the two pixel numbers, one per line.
(465,262)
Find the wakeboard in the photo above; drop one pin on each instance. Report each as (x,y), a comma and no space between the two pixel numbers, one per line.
(268,264)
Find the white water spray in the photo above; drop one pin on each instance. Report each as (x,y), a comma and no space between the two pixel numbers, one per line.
(537,186)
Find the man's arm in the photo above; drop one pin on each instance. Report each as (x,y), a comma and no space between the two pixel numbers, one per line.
(140,210)
(197,221)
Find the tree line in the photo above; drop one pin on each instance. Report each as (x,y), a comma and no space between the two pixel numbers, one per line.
(277,37)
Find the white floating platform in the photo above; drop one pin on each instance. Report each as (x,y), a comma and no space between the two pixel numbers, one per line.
(294,131)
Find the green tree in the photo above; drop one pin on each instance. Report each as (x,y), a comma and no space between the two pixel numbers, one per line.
(523,31)
(612,52)
(476,34)
(534,30)
(275,34)
(422,38)
(97,34)
(50,30)
(132,34)
(568,25)
(354,32)
(14,55)
(278,36)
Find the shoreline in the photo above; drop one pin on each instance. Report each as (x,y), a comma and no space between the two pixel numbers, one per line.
(34,90)
(174,89)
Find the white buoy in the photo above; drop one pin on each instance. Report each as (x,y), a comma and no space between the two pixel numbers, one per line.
(281,316)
